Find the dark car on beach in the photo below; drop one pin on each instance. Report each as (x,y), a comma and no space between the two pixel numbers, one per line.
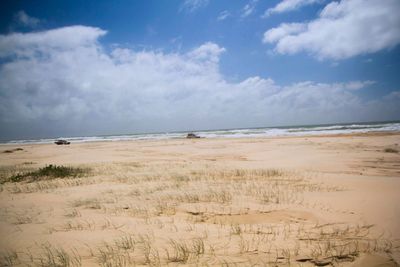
(192,135)
(61,142)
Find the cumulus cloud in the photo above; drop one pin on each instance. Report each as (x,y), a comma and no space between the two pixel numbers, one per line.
(223,15)
(193,5)
(343,29)
(64,82)
(285,29)
(27,44)
(356,85)
(288,5)
(24,19)
(208,52)
(249,8)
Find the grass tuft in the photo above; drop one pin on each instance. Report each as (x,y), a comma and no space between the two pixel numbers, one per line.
(390,150)
(48,173)
(9,258)
(12,150)
(58,257)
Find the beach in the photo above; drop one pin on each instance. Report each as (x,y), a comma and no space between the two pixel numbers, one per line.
(302,200)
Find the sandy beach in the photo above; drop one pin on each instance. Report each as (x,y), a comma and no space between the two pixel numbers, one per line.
(302,201)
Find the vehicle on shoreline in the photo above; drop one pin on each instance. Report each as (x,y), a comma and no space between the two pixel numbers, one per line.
(192,135)
(62,142)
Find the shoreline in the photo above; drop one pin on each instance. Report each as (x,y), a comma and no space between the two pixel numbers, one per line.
(369,133)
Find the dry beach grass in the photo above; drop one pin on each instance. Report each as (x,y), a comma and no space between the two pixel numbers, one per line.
(303,201)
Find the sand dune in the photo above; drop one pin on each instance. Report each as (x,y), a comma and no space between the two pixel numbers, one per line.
(322,200)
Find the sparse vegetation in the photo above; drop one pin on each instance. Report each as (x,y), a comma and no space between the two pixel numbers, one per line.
(13,150)
(196,216)
(57,257)
(390,150)
(90,203)
(8,171)
(9,258)
(73,213)
(47,173)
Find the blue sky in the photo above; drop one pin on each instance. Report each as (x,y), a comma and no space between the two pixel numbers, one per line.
(228,63)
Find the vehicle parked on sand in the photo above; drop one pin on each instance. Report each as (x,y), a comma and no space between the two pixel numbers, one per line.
(61,142)
(192,135)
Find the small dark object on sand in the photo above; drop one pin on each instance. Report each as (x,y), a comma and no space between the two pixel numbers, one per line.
(192,135)
(390,150)
(61,142)
(12,150)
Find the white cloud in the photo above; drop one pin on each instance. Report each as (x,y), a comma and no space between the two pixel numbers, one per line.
(223,15)
(27,44)
(208,52)
(288,5)
(63,82)
(193,5)
(343,29)
(282,31)
(25,20)
(249,8)
(356,85)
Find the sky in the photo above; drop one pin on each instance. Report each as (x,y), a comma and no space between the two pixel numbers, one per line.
(79,68)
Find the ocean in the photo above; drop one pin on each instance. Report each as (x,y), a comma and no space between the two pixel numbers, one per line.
(302,130)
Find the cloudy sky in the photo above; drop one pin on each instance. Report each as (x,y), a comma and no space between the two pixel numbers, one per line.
(70,68)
